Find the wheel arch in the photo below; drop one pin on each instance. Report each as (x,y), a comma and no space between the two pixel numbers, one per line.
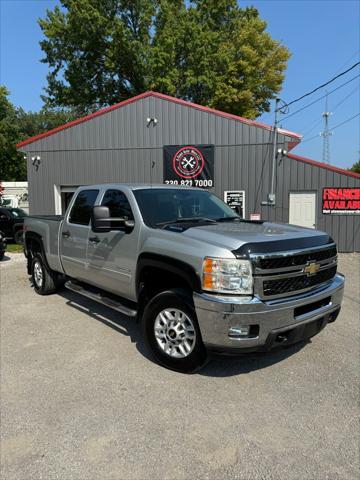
(33,244)
(174,268)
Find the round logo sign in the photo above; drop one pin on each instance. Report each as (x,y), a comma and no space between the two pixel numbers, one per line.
(188,162)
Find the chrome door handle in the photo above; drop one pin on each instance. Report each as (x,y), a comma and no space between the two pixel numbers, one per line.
(94,239)
(66,234)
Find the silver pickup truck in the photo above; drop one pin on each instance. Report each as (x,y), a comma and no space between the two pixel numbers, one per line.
(197,277)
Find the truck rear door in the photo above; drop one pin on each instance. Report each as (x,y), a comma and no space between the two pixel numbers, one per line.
(74,233)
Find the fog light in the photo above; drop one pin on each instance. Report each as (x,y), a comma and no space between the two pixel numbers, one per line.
(239,331)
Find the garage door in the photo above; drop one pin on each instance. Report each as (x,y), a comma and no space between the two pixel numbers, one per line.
(63,196)
(302,209)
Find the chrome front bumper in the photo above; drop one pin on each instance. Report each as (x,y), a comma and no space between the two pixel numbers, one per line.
(217,314)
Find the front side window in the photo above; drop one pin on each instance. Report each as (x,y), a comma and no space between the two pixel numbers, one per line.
(118,204)
(81,210)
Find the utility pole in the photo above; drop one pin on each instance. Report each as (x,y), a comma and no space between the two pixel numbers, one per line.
(326,133)
(276,152)
(271,196)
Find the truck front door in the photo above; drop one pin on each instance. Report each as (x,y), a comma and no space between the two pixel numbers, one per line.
(75,232)
(112,256)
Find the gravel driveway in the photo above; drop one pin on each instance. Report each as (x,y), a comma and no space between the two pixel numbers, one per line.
(80,400)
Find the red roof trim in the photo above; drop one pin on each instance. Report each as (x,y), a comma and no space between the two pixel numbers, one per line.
(223,114)
(82,119)
(324,165)
(158,95)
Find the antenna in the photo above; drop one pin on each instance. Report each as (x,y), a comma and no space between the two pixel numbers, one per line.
(326,133)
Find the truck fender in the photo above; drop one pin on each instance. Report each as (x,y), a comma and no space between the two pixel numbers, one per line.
(163,262)
(185,272)
(30,238)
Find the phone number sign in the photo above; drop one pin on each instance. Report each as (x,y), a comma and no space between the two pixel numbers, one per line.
(191,165)
(341,201)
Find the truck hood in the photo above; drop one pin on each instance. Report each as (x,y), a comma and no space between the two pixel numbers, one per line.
(256,237)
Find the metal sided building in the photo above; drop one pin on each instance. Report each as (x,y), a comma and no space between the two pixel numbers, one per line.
(155,138)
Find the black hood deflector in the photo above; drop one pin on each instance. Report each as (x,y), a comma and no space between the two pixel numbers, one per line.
(282,245)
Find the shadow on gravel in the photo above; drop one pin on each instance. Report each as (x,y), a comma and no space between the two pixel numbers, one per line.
(222,366)
(5,259)
(120,323)
(218,366)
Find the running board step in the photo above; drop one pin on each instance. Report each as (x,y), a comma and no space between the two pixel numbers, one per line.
(100,298)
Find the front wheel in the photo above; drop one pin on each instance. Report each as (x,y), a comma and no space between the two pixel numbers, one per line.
(171,331)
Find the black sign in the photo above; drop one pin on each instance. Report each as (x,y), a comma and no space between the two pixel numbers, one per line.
(341,201)
(191,165)
(236,200)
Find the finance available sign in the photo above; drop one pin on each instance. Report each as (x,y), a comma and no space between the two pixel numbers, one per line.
(341,201)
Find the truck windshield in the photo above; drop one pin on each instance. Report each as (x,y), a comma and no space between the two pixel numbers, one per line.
(160,206)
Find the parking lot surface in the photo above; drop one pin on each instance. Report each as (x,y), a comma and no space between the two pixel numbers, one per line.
(81,400)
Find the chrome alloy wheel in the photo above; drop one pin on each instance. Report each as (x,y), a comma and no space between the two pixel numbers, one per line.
(175,333)
(38,274)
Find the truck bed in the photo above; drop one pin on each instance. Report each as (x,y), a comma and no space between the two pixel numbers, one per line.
(47,227)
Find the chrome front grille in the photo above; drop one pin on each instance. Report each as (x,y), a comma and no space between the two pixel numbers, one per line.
(289,273)
(295,260)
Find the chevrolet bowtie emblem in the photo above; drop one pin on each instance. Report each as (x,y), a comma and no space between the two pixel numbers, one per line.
(311,268)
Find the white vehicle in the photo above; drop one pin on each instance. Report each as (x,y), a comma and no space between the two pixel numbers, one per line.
(15,195)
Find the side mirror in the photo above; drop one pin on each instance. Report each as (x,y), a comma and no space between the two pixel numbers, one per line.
(100,219)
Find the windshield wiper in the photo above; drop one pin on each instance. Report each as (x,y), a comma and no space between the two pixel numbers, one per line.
(185,220)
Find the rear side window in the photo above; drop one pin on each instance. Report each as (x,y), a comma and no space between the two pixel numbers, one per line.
(118,204)
(81,210)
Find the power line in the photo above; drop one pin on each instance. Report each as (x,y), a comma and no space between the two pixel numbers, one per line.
(345,98)
(321,86)
(317,122)
(334,128)
(320,98)
(345,121)
(347,61)
(314,125)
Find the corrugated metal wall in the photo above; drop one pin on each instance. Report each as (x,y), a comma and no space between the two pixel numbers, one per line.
(120,147)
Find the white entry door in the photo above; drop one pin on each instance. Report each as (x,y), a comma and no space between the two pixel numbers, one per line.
(302,210)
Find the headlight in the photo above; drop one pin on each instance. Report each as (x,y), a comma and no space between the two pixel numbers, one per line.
(227,275)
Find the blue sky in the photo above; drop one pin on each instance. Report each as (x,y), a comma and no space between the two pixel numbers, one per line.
(323,36)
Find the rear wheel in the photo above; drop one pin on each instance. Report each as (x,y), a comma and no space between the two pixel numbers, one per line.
(172,333)
(44,280)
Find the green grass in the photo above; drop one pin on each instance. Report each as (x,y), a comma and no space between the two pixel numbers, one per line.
(14,248)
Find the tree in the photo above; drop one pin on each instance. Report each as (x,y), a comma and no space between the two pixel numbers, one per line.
(17,125)
(13,165)
(33,123)
(356,167)
(208,51)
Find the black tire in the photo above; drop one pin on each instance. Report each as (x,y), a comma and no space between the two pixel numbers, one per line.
(44,280)
(177,300)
